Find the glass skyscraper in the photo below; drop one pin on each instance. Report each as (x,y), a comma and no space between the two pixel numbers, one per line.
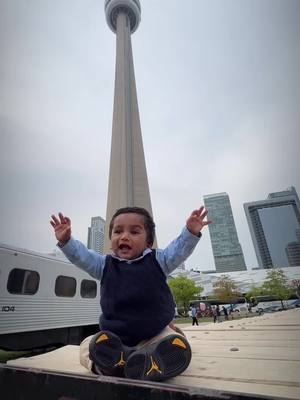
(227,251)
(274,225)
(96,234)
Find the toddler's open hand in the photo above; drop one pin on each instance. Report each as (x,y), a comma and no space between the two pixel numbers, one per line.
(196,221)
(62,228)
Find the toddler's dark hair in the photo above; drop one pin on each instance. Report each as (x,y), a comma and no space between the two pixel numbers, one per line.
(148,221)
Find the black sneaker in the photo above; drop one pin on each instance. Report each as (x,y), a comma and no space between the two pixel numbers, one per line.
(159,361)
(108,353)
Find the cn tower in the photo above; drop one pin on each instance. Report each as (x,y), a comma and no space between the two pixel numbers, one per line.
(128,182)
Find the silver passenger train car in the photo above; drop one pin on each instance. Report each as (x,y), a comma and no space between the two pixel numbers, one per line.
(44,301)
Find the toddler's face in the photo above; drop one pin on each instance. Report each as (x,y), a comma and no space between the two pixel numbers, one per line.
(129,236)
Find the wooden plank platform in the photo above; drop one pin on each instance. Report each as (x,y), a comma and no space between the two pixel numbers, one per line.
(257,356)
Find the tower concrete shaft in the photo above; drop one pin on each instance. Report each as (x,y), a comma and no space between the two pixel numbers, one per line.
(128,182)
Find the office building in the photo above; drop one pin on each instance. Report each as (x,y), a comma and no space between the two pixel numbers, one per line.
(128,182)
(227,251)
(96,235)
(293,254)
(274,224)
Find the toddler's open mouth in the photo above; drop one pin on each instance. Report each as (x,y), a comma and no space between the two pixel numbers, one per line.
(124,247)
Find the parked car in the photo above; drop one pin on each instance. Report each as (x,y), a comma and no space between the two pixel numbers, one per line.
(272,309)
(296,304)
(241,309)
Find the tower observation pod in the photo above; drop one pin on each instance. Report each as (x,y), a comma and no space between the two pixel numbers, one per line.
(131,8)
(128,182)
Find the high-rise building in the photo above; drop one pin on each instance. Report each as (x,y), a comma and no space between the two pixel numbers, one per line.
(128,182)
(273,225)
(293,254)
(96,234)
(227,251)
(293,250)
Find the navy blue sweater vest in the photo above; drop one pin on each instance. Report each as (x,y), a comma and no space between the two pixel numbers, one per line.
(135,299)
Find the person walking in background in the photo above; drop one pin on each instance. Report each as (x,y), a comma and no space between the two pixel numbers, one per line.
(214,313)
(225,313)
(218,312)
(194,315)
(176,315)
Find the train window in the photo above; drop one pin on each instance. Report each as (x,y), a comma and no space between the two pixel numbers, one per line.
(65,286)
(23,281)
(88,289)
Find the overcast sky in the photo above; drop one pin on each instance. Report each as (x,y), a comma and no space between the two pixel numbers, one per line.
(219,96)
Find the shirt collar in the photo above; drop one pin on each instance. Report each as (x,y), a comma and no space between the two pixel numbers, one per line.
(146,251)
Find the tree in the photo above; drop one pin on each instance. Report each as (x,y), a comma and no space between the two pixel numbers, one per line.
(276,285)
(184,290)
(226,290)
(256,291)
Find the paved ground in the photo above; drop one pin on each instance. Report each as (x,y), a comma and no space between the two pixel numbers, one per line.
(259,355)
